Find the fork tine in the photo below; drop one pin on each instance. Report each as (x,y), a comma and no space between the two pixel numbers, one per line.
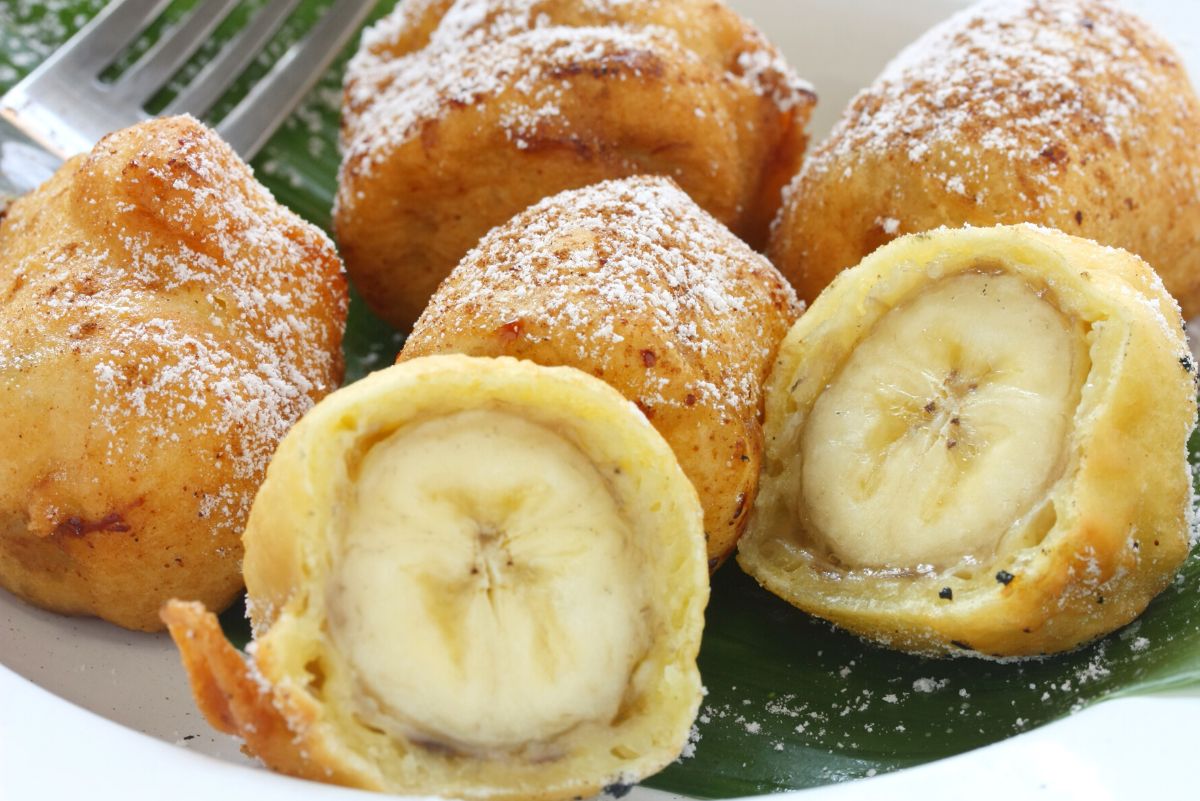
(62,105)
(109,32)
(251,122)
(170,52)
(212,81)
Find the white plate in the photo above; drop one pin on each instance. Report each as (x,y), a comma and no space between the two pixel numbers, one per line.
(92,711)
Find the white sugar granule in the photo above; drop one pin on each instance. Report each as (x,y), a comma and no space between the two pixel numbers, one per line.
(928,685)
(626,258)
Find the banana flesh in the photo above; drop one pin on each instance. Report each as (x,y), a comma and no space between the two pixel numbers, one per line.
(489,594)
(940,430)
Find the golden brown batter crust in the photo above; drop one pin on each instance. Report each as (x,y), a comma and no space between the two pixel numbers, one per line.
(1068,113)
(459,115)
(631,281)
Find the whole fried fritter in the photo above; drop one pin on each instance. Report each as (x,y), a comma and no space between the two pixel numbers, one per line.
(459,115)
(1068,113)
(163,322)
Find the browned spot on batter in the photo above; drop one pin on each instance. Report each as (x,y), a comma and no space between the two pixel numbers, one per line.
(537,142)
(643,63)
(88,285)
(75,526)
(1055,154)
(741,505)
(18,282)
(511,331)
(85,330)
(429,134)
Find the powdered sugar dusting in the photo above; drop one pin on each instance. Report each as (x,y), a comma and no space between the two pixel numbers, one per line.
(689,748)
(587,269)
(1011,80)
(855,704)
(207,315)
(527,51)
(400,94)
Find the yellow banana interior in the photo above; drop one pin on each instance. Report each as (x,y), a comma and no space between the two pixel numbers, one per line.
(488,551)
(940,431)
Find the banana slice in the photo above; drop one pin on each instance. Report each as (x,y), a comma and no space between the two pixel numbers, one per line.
(477,578)
(976,441)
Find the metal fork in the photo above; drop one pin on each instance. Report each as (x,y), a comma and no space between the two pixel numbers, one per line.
(63,108)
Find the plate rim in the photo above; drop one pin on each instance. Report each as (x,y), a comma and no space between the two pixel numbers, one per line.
(1084,755)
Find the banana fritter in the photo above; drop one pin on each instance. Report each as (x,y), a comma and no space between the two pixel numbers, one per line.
(163,321)
(976,443)
(1067,113)
(480,578)
(458,115)
(631,281)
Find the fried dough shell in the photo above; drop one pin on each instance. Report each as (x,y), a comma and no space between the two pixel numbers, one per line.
(162,323)
(303,699)
(1046,442)
(1070,114)
(460,115)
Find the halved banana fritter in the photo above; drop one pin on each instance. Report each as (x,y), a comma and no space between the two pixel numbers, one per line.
(976,442)
(479,578)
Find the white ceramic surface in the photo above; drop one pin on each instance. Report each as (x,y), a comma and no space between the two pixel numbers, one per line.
(145,738)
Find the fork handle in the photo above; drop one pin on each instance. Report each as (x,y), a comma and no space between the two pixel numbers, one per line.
(24,164)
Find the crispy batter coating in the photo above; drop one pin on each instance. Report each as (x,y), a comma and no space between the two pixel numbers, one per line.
(631,281)
(163,322)
(276,725)
(458,115)
(1068,113)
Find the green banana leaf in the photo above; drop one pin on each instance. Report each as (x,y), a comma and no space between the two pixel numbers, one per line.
(792,702)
